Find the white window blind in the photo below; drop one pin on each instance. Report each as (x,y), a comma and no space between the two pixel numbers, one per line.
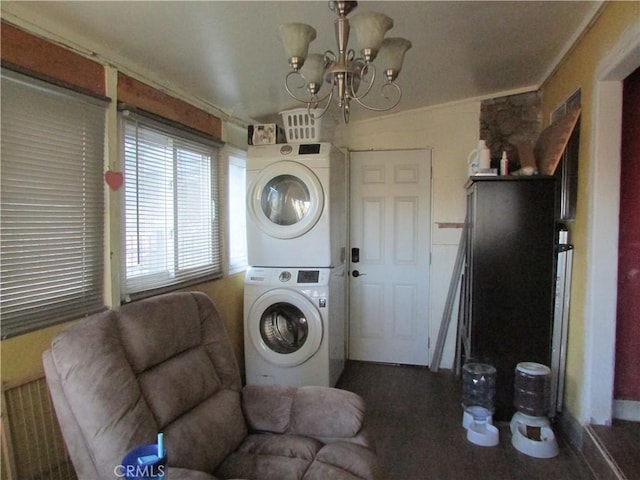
(237,210)
(172,227)
(51,200)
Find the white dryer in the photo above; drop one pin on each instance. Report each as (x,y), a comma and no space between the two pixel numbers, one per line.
(296,208)
(294,331)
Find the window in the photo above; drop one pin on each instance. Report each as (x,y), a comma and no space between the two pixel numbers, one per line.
(172,227)
(237,210)
(52,202)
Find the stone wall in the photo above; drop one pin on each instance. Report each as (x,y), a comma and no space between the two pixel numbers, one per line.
(507,121)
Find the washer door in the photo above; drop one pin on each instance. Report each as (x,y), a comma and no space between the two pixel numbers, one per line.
(285,200)
(285,327)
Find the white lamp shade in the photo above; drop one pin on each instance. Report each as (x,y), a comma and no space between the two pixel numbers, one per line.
(392,52)
(296,38)
(313,68)
(370,28)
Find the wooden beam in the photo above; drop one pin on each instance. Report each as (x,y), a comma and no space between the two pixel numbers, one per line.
(145,97)
(42,58)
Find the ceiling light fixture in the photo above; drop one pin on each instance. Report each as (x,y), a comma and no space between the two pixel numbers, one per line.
(351,77)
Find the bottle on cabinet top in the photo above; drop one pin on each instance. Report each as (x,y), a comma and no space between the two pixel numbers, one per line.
(504,164)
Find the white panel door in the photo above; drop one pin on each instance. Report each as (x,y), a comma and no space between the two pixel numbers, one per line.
(389,282)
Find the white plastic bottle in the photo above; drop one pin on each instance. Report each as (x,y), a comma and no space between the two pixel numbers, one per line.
(504,164)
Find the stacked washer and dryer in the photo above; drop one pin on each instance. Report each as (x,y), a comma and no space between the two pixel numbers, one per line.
(295,300)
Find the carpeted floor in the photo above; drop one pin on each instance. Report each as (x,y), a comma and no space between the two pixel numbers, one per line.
(416,419)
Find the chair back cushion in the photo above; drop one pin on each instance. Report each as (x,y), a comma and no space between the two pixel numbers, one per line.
(163,364)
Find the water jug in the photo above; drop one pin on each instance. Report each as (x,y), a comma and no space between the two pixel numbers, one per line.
(479,157)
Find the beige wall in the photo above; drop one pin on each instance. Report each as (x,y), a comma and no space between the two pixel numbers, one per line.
(580,70)
(451,132)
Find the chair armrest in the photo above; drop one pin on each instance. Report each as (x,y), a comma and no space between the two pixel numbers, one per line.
(312,411)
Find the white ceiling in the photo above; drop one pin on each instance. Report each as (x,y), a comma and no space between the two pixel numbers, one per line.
(227,53)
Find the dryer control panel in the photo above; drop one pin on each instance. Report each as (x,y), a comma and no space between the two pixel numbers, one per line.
(289,276)
(308,276)
(309,149)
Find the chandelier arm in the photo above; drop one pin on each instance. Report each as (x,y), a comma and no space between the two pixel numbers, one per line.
(324,109)
(312,98)
(363,71)
(376,109)
(328,95)
(286,85)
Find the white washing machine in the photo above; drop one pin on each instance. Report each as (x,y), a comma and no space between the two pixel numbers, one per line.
(296,205)
(294,324)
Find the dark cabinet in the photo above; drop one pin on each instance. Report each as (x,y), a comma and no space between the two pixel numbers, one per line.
(509,276)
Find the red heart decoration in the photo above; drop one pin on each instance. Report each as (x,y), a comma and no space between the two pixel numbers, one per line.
(114,179)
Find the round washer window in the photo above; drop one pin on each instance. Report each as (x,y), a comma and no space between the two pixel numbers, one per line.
(284,328)
(285,200)
(284,320)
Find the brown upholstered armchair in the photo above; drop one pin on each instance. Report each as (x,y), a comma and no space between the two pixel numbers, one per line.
(165,364)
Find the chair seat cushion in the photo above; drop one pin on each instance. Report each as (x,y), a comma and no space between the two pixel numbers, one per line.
(294,457)
(344,461)
(271,457)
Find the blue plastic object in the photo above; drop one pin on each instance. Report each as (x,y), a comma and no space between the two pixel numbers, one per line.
(143,463)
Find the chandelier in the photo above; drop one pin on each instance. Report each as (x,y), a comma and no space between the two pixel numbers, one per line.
(350,76)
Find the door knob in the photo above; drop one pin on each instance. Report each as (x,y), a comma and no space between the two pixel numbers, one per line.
(357,274)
